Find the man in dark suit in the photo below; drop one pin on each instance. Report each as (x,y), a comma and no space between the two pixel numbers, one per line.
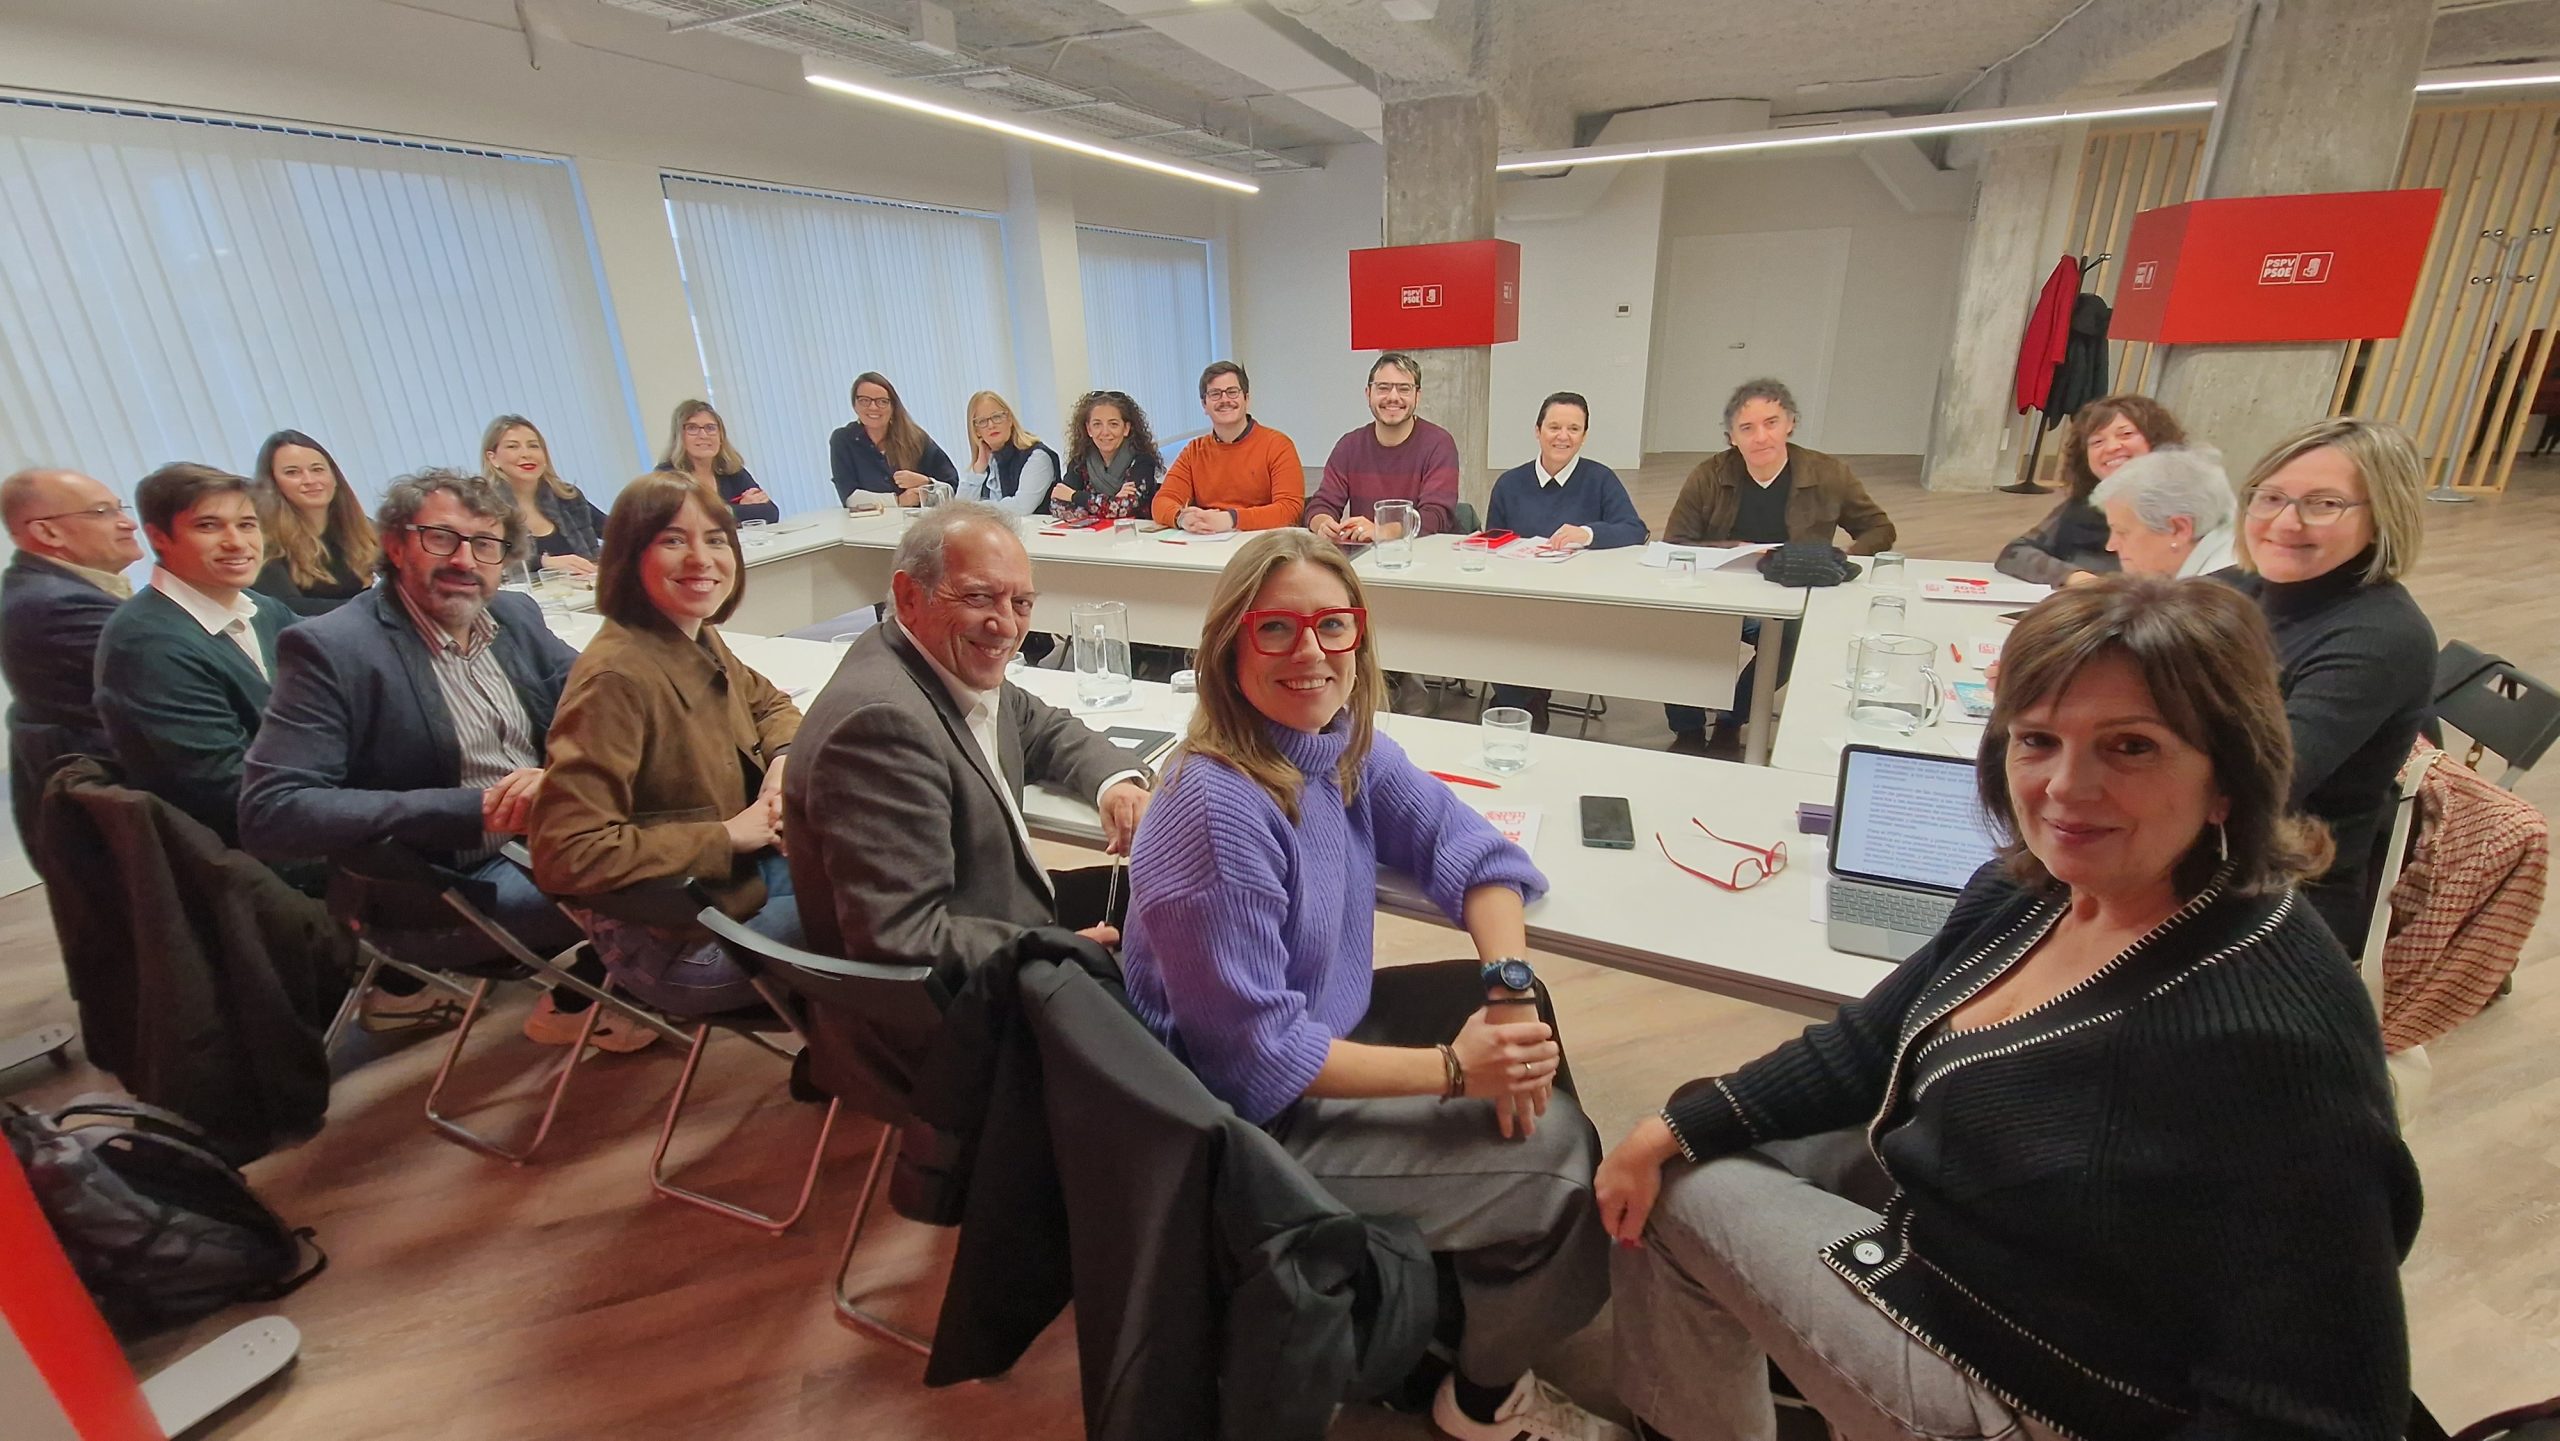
(902,803)
(388,724)
(183,667)
(74,539)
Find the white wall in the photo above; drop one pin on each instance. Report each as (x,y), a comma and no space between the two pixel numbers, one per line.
(615,93)
(1896,310)
(1293,298)
(1575,276)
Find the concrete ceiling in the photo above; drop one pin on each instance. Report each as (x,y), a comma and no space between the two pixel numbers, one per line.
(1266,84)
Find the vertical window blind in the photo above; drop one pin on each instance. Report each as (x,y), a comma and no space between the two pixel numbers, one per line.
(177,287)
(1146,321)
(796,292)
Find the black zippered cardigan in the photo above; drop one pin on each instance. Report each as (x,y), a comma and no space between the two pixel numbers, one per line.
(2172,1202)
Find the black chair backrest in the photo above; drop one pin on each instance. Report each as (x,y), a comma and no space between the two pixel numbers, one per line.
(898,996)
(2500,707)
(386,886)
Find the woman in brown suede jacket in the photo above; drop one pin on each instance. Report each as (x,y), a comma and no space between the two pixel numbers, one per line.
(666,754)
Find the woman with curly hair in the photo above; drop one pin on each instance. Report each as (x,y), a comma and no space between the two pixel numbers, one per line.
(1112,463)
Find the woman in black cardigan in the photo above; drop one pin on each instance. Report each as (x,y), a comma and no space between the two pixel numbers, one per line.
(2330,520)
(321,546)
(2069,546)
(2127,1137)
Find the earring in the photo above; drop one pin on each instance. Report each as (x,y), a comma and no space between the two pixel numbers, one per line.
(2222,841)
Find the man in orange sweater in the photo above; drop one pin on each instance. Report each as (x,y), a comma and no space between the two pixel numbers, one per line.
(1241,475)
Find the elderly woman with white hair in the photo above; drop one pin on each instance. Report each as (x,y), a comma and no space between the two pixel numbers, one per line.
(2170,512)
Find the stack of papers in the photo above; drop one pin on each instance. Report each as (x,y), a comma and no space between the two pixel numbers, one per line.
(1657,554)
(1536,547)
(1518,824)
(1998,589)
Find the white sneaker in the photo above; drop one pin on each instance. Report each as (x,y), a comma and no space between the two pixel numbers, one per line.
(1534,1411)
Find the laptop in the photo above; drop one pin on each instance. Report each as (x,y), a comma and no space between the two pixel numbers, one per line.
(1907,832)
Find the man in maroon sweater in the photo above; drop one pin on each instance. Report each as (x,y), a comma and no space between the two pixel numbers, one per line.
(1400,456)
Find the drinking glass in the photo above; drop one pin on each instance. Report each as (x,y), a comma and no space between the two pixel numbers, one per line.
(1506,739)
(1886,571)
(931,494)
(1399,516)
(1894,690)
(1885,615)
(1473,557)
(1101,632)
(1682,567)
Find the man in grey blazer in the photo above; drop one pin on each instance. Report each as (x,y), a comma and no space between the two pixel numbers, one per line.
(902,805)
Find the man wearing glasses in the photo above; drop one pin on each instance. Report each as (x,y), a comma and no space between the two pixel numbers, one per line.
(416,712)
(1397,456)
(74,538)
(903,801)
(1242,475)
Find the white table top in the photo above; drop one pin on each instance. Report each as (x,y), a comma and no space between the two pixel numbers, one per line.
(1816,722)
(1632,910)
(1615,577)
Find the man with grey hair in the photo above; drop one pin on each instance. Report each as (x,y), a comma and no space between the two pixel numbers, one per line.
(2170,512)
(903,800)
(416,712)
(74,539)
(1765,490)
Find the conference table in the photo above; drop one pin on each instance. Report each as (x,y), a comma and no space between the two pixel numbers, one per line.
(1964,634)
(1600,622)
(1631,910)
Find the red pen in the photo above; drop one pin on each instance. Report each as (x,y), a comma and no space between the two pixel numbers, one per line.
(1966,580)
(1465,780)
(1955,652)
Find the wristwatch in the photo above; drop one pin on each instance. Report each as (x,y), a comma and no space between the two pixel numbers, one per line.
(1509,972)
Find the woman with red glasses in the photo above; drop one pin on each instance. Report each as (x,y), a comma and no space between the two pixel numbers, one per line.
(2111,1157)
(1249,949)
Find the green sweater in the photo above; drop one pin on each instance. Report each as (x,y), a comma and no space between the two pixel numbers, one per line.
(180,706)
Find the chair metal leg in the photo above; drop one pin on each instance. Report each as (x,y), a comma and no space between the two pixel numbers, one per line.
(848,1311)
(354,999)
(550,970)
(550,1110)
(659,1183)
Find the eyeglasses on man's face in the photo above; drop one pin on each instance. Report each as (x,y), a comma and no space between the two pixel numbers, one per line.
(1745,872)
(2320,508)
(104,510)
(444,540)
(1223,392)
(1276,632)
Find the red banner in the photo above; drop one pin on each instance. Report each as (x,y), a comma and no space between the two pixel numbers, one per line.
(1427,297)
(2275,268)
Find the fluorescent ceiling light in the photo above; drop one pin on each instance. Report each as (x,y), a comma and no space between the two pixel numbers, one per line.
(2483,77)
(873,93)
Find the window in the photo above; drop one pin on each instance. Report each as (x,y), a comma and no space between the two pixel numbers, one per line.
(176,288)
(1146,322)
(796,292)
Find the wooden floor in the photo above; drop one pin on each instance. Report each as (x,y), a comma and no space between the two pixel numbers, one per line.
(469,1299)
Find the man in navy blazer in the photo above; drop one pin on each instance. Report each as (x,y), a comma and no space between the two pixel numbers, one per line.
(416,712)
(74,539)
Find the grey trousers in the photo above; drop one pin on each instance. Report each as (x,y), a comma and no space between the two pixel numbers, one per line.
(1515,1216)
(1729,1273)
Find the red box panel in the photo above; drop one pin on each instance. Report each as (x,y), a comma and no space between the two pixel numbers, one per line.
(1427,297)
(2274,268)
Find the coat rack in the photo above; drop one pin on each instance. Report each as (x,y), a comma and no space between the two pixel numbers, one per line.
(2026,483)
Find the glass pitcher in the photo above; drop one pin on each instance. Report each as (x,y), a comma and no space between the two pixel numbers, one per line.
(1896,691)
(1101,637)
(1397,523)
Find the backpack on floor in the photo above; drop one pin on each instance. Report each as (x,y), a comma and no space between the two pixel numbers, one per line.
(160,1229)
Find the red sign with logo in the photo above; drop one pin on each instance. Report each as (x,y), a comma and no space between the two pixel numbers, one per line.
(1428,297)
(2275,268)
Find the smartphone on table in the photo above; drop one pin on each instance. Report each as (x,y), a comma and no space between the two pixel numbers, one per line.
(1606,823)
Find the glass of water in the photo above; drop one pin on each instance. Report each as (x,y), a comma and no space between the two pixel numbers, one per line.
(1397,523)
(1506,739)
(1472,556)
(1886,571)
(1683,567)
(1886,614)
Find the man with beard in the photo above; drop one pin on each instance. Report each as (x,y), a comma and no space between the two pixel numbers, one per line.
(1400,456)
(416,712)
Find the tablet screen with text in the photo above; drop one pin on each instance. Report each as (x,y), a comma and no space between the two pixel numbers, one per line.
(1911,820)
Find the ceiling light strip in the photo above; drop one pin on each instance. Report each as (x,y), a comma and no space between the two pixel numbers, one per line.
(1842,132)
(875,94)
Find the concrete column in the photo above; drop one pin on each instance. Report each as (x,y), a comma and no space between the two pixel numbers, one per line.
(2018,217)
(1048,292)
(2320,101)
(627,206)
(1440,187)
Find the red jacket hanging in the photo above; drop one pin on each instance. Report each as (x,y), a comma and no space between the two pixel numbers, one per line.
(2048,334)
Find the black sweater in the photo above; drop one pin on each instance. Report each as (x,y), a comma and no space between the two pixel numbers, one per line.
(275,581)
(2171,1202)
(2072,536)
(2357,665)
(854,463)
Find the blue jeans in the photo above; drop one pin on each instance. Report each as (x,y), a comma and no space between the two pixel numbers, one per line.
(1694,718)
(681,972)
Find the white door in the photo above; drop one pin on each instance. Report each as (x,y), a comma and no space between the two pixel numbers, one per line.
(1738,307)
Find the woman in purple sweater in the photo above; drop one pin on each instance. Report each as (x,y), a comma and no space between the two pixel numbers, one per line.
(1250,943)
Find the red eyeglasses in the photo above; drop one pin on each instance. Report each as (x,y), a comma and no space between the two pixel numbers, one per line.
(1276,632)
(1747,872)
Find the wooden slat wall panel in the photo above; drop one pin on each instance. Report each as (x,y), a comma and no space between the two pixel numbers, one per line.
(2499,166)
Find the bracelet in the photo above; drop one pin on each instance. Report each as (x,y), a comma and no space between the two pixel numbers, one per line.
(1453,1084)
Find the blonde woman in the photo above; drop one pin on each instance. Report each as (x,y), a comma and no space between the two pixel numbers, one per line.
(698,448)
(1009,467)
(321,548)
(1250,944)
(565,529)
